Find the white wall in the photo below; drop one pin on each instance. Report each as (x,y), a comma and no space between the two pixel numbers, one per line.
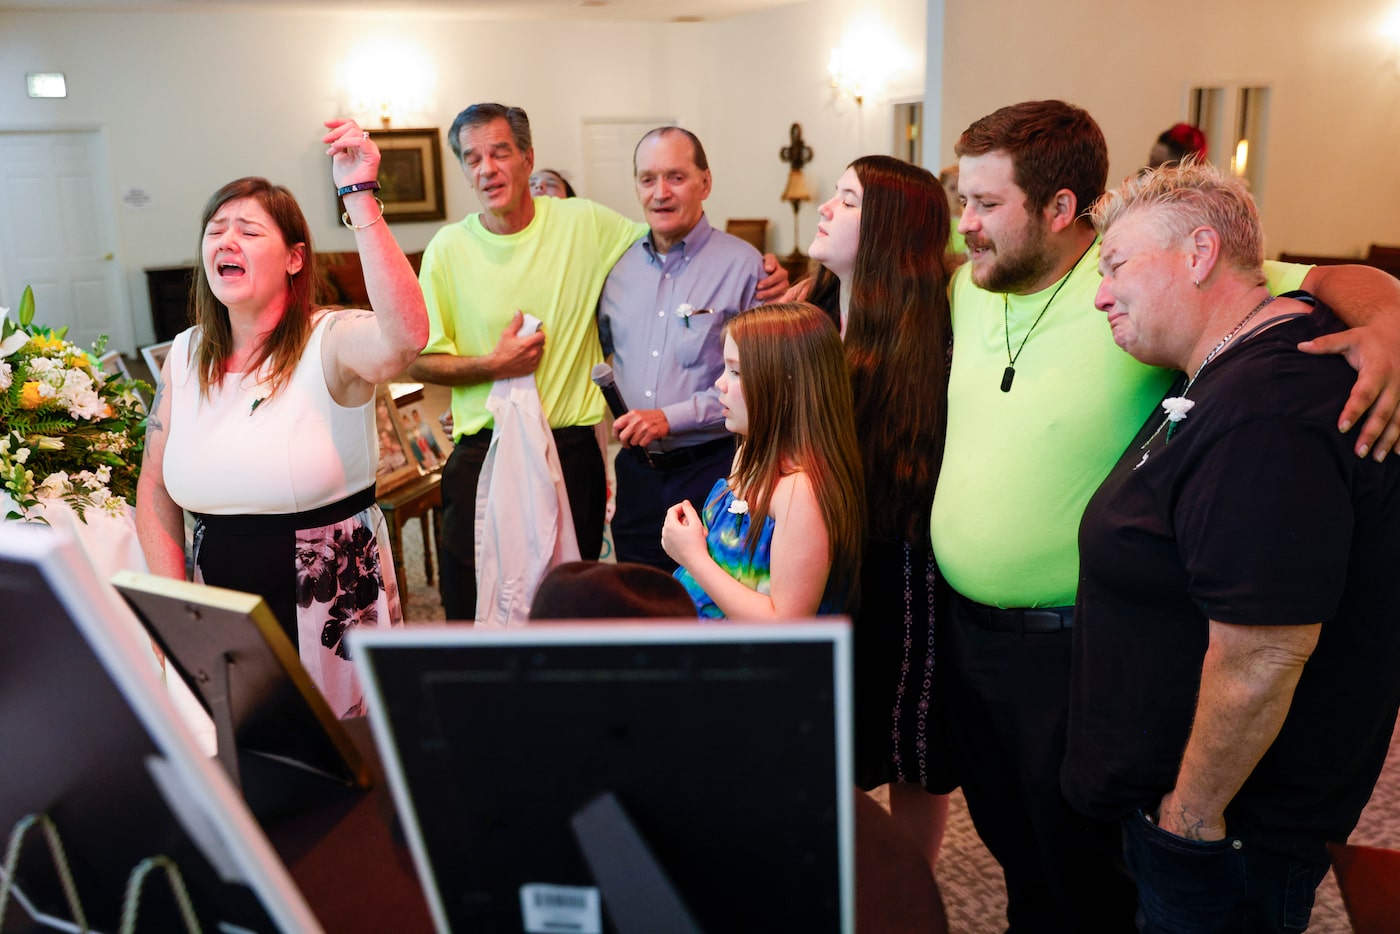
(767,71)
(188,101)
(1331,185)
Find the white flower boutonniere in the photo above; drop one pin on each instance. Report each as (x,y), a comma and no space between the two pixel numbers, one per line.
(685,311)
(738,506)
(1176,407)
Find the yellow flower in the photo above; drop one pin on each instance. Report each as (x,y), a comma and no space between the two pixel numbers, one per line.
(47,343)
(78,361)
(29,397)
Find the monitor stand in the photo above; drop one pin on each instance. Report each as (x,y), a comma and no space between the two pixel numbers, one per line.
(639,896)
(273,785)
(221,710)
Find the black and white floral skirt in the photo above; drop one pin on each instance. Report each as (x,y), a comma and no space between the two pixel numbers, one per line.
(322,572)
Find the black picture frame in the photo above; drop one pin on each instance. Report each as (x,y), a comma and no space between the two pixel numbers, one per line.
(410,174)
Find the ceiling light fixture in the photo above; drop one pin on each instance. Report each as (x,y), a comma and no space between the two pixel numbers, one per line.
(47,84)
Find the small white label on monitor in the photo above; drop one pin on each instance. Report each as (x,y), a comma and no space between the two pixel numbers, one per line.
(560,909)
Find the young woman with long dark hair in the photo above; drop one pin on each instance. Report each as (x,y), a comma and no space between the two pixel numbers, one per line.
(881,241)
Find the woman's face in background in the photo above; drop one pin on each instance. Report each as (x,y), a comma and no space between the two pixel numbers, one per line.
(547,184)
(838,231)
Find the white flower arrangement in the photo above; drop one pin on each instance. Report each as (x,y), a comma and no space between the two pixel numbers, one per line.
(67,430)
(738,506)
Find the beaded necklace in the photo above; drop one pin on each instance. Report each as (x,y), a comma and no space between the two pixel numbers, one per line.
(1177,406)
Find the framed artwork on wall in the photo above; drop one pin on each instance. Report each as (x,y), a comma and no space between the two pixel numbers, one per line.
(112,364)
(410,174)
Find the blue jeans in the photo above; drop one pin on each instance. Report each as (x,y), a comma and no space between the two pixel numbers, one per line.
(1189,887)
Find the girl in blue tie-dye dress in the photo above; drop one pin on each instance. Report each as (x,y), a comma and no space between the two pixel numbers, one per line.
(780,537)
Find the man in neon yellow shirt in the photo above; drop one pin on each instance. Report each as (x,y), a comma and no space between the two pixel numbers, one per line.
(1041,404)
(548,258)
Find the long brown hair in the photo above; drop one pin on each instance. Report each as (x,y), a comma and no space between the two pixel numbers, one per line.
(898,332)
(285,344)
(798,396)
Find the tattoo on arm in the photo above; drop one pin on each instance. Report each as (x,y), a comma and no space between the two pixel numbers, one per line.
(153,423)
(1190,824)
(347,315)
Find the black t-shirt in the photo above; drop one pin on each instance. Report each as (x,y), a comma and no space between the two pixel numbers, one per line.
(1254,511)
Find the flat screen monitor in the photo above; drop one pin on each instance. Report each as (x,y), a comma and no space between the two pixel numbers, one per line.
(700,774)
(277,736)
(90,739)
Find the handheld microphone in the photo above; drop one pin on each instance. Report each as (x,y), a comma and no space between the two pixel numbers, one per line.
(602,376)
(603,379)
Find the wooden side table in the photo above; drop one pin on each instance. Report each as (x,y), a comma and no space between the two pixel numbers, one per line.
(416,499)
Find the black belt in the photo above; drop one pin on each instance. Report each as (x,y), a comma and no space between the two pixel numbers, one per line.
(283,522)
(1017,620)
(670,460)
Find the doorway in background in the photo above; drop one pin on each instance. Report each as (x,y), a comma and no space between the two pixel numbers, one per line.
(58,235)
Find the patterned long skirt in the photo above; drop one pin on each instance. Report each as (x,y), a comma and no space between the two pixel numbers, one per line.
(322,573)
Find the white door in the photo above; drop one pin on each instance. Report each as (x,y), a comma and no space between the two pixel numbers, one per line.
(607,162)
(57,235)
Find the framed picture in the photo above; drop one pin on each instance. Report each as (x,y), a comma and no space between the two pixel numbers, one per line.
(404,393)
(395,465)
(154,355)
(410,174)
(112,364)
(424,437)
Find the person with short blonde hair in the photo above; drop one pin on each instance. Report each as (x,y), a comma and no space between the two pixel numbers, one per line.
(1233,689)
(1196,195)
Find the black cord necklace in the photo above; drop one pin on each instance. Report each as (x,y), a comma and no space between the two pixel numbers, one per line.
(1009,373)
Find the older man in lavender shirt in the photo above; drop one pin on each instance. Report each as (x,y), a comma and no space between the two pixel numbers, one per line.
(662,316)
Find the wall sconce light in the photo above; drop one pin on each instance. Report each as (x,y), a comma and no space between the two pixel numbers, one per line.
(387,80)
(1390,35)
(846,81)
(860,65)
(796,154)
